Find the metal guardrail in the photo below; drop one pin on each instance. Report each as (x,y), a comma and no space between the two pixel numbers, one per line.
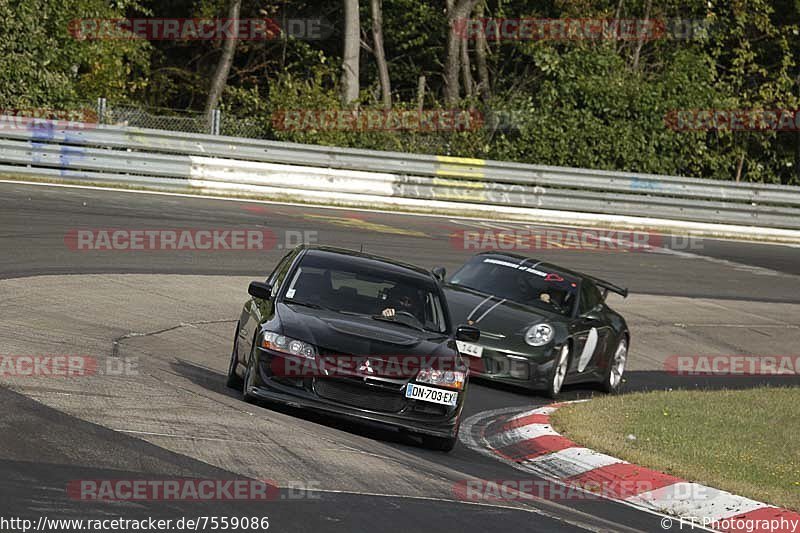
(118,154)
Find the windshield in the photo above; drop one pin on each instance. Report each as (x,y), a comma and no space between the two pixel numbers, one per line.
(520,282)
(359,287)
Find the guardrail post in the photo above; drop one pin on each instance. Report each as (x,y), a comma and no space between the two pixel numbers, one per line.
(101,109)
(216,118)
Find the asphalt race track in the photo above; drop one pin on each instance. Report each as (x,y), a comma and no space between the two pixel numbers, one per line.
(171,314)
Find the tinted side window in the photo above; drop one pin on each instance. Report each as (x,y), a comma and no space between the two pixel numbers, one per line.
(590,297)
(279,273)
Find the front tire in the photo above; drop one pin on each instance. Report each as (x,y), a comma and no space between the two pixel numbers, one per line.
(559,373)
(234,381)
(249,378)
(612,382)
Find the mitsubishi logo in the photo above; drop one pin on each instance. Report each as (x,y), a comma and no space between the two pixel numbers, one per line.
(366,368)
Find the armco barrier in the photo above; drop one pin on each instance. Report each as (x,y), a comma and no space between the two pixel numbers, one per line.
(182,160)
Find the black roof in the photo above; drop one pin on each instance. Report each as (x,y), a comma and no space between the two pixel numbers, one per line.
(555,269)
(540,265)
(391,265)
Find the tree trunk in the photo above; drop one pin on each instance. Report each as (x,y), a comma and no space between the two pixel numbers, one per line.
(466,69)
(421,93)
(739,168)
(797,159)
(617,15)
(640,44)
(797,147)
(484,88)
(380,55)
(350,57)
(220,78)
(457,10)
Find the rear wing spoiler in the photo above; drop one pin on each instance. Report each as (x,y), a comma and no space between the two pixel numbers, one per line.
(606,286)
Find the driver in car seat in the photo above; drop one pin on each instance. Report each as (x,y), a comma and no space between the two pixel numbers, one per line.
(402,299)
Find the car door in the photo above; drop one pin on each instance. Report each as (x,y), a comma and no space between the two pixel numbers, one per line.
(590,331)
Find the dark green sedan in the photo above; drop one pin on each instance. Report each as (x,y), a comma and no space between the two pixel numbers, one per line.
(542,326)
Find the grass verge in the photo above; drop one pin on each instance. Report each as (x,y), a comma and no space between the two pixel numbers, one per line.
(745,441)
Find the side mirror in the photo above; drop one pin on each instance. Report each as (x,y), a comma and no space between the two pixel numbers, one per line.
(439,273)
(259,289)
(468,334)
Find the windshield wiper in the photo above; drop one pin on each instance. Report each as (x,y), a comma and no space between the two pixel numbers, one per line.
(313,305)
(309,304)
(350,313)
(393,321)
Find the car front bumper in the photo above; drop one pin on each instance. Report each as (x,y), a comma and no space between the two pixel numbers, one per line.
(413,416)
(530,372)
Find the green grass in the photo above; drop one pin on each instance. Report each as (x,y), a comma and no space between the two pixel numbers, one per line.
(746,442)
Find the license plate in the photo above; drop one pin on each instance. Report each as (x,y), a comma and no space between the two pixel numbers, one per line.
(473,350)
(429,394)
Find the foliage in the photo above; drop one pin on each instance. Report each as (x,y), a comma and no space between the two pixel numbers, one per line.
(43,65)
(597,104)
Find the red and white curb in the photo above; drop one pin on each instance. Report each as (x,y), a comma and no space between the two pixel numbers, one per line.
(525,440)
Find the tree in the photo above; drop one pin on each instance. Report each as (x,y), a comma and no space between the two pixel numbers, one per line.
(380,54)
(350,57)
(484,87)
(53,56)
(220,78)
(457,13)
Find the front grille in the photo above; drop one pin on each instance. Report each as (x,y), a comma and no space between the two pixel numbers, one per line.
(358,395)
(492,365)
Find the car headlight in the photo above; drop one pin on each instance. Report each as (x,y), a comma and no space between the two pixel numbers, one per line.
(539,335)
(452,379)
(280,343)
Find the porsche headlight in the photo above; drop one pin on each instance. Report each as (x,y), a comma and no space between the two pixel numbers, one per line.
(539,335)
(280,343)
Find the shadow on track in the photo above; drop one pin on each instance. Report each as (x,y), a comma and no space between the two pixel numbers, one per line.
(43,451)
(215,381)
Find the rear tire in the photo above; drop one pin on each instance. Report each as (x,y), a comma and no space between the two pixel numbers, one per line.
(234,381)
(559,372)
(612,381)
